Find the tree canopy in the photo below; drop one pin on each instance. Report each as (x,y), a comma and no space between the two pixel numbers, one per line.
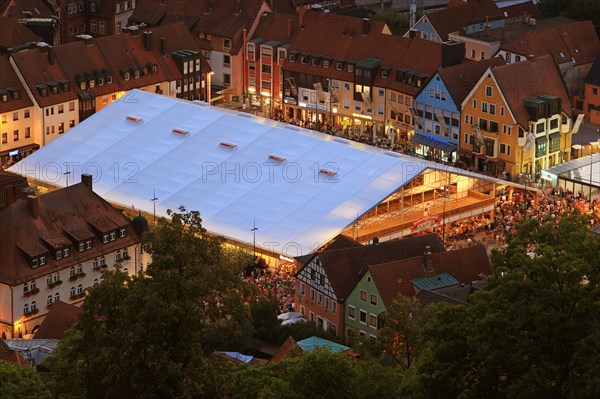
(148,336)
(20,382)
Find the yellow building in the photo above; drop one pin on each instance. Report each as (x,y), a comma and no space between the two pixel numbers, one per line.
(516,120)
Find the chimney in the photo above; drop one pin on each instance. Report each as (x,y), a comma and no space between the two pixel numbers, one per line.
(365,26)
(11,194)
(147,36)
(488,29)
(33,205)
(453,52)
(51,55)
(134,30)
(86,179)
(412,33)
(288,28)
(163,45)
(43,46)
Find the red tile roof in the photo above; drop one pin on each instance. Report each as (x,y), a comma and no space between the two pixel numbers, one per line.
(346,41)
(465,265)
(11,355)
(36,70)
(13,34)
(38,9)
(454,18)
(177,37)
(577,41)
(9,79)
(81,61)
(60,317)
(274,26)
(528,79)
(65,217)
(124,52)
(286,350)
(344,267)
(460,79)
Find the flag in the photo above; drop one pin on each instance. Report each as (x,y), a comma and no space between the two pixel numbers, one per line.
(292,85)
(366,97)
(416,117)
(319,88)
(333,92)
(530,140)
(442,121)
(478,136)
(577,123)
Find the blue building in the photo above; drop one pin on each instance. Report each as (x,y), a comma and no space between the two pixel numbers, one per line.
(438,107)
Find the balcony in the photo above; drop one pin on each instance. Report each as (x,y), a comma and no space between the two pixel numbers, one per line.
(77,276)
(54,284)
(31,312)
(31,292)
(78,296)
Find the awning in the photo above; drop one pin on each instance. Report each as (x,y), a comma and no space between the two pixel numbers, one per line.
(20,149)
(555,136)
(429,142)
(541,140)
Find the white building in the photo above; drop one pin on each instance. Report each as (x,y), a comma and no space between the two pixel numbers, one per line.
(53,247)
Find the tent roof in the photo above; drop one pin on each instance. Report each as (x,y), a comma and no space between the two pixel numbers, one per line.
(134,155)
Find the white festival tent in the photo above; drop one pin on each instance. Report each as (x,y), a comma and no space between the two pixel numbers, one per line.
(300,188)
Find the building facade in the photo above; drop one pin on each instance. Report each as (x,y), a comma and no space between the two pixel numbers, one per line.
(53,249)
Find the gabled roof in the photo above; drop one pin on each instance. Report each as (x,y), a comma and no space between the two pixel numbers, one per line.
(339,242)
(347,42)
(37,70)
(60,317)
(528,79)
(74,208)
(11,355)
(576,41)
(461,78)
(593,76)
(38,9)
(81,61)
(125,52)
(286,350)
(345,267)
(456,17)
(13,34)
(10,80)
(465,265)
(274,26)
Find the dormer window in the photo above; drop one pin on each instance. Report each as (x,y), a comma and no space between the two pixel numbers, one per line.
(34,263)
(4,97)
(113,236)
(292,58)
(315,61)
(109,79)
(350,68)
(127,76)
(58,255)
(136,73)
(88,244)
(338,66)
(54,89)
(105,238)
(154,69)
(65,86)
(66,252)
(384,73)
(42,260)
(303,59)
(100,81)
(122,232)
(82,85)
(325,63)
(81,247)
(92,83)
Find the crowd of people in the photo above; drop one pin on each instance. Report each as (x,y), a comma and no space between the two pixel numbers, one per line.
(273,283)
(548,205)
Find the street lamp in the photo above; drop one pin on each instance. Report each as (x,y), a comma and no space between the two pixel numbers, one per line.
(253,230)
(154,199)
(330,103)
